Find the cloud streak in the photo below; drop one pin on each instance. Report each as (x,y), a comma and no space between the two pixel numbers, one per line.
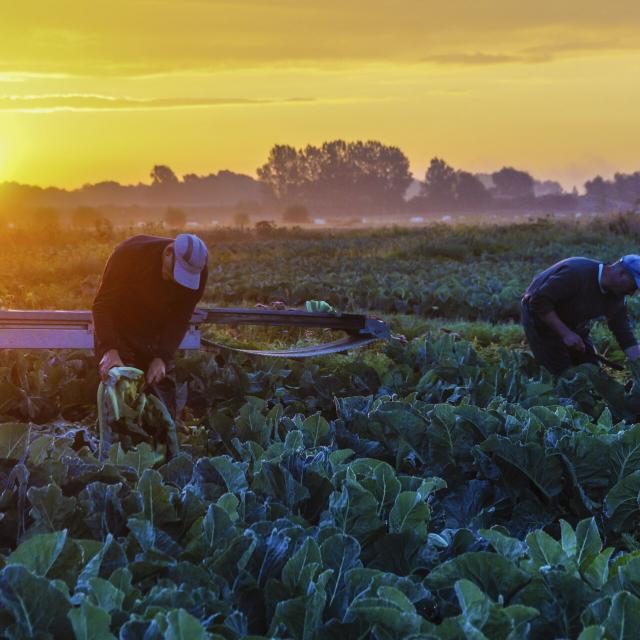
(49,103)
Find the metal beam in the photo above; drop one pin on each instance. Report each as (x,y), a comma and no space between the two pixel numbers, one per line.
(26,329)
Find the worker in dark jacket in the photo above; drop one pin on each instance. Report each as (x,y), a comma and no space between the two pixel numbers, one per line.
(149,289)
(560,303)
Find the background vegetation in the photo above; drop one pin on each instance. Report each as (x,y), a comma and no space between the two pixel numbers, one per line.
(441,486)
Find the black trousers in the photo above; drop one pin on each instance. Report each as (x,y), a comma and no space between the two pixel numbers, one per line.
(547,346)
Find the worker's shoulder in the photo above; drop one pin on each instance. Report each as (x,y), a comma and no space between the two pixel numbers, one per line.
(578,263)
(140,243)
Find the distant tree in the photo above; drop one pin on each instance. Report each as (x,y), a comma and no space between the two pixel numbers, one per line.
(381,174)
(512,183)
(469,191)
(598,187)
(163,175)
(265,227)
(338,176)
(440,183)
(627,186)
(283,172)
(175,218)
(241,219)
(296,214)
(600,191)
(624,189)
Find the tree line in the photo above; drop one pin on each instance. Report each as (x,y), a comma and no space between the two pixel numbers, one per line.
(334,178)
(369,177)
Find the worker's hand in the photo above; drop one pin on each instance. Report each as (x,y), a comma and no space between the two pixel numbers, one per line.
(109,360)
(157,371)
(573,341)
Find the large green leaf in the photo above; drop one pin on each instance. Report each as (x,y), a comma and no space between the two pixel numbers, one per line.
(482,618)
(109,557)
(588,541)
(530,460)
(389,609)
(497,576)
(275,480)
(34,603)
(50,509)
(626,575)
(620,616)
(625,453)
(232,473)
(409,513)
(139,458)
(252,424)
(181,625)
(544,550)
(315,429)
(302,616)
(14,440)
(622,502)
(104,508)
(157,499)
(302,567)
(90,622)
(105,594)
(340,553)
(505,545)
(39,553)
(355,510)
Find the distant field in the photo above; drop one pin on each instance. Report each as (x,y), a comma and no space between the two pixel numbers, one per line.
(466,271)
(440,486)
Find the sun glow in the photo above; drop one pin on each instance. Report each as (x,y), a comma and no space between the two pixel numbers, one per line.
(109,90)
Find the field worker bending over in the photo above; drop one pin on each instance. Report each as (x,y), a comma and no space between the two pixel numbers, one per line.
(149,289)
(560,303)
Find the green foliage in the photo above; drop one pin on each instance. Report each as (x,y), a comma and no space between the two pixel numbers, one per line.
(445,487)
(122,402)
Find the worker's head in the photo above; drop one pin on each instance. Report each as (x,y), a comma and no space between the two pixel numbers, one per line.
(622,277)
(184,260)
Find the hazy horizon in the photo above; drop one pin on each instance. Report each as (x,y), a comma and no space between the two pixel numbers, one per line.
(103,92)
(418,175)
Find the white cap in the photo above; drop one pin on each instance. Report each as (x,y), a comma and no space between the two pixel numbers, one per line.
(191,259)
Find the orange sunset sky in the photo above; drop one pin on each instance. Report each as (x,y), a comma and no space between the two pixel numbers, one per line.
(91,91)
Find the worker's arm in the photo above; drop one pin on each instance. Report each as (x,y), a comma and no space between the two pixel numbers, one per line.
(172,334)
(560,285)
(570,338)
(169,341)
(106,302)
